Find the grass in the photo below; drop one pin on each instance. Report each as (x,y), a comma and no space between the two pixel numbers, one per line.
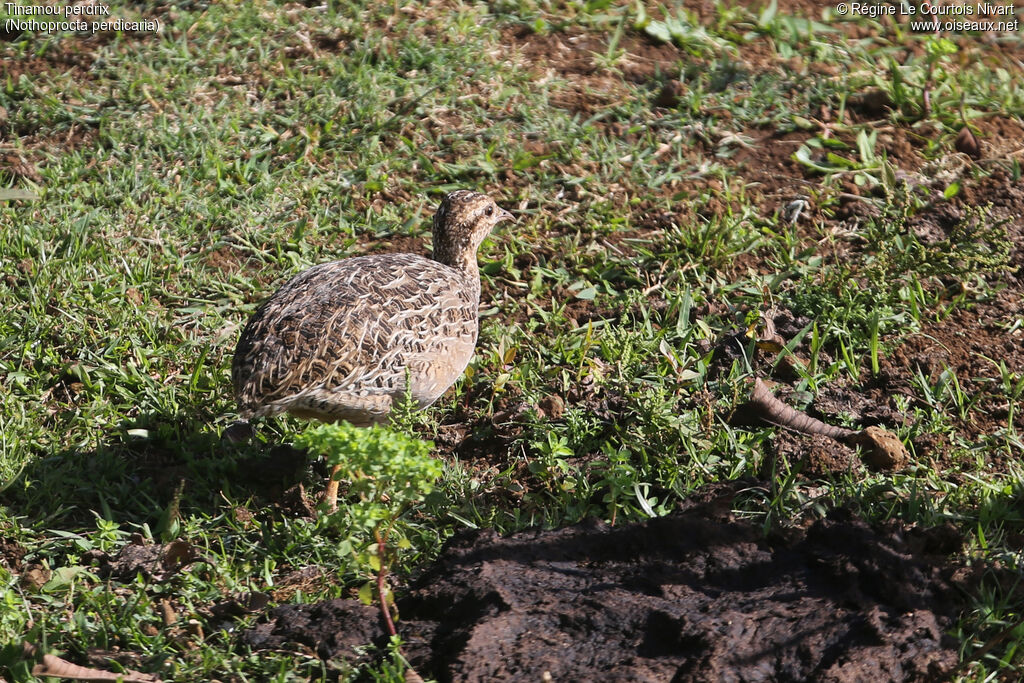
(184,174)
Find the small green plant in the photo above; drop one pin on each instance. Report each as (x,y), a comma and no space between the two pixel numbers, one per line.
(938,52)
(552,457)
(386,473)
(619,478)
(867,170)
(683,28)
(903,277)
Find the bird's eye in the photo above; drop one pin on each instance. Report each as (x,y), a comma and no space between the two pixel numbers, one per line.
(490,211)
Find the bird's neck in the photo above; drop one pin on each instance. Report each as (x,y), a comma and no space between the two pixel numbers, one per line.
(465,263)
(474,284)
(457,256)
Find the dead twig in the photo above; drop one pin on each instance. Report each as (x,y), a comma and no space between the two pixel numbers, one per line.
(56,667)
(882,449)
(382,592)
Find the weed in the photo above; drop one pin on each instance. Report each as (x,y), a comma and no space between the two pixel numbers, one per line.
(386,473)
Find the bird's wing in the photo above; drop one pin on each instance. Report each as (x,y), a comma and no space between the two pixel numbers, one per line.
(348,333)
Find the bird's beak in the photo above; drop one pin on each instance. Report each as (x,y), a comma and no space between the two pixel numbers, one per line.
(504,215)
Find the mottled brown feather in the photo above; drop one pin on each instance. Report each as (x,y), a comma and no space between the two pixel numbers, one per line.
(344,340)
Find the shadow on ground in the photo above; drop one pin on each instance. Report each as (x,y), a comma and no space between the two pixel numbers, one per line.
(145,467)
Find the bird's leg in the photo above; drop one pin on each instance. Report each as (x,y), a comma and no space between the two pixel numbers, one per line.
(331,493)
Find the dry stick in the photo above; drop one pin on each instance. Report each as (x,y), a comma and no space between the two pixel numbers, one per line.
(410,674)
(381,589)
(775,411)
(882,449)
(61,668)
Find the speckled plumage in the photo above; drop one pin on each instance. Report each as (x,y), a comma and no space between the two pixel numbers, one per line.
(344,340)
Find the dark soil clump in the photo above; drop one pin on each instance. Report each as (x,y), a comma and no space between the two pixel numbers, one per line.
(693,596)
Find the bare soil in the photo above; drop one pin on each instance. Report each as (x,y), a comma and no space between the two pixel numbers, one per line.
(694,596)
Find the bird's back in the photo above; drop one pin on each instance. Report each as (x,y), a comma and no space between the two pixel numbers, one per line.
(344,339)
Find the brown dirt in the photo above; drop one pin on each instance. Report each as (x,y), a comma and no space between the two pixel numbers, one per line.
(74,55)
(693,596)
(816,456)
(575,54)
(11,554)
(68,55)
(154,562)
(973,338)
(227,258)
(969,343)
(769,170)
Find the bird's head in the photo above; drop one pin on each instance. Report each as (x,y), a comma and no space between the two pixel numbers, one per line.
(461,223)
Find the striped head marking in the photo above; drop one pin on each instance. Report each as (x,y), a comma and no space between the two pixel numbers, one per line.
(461,223)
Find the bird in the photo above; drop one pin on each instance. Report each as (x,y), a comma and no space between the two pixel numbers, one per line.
(348,339)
